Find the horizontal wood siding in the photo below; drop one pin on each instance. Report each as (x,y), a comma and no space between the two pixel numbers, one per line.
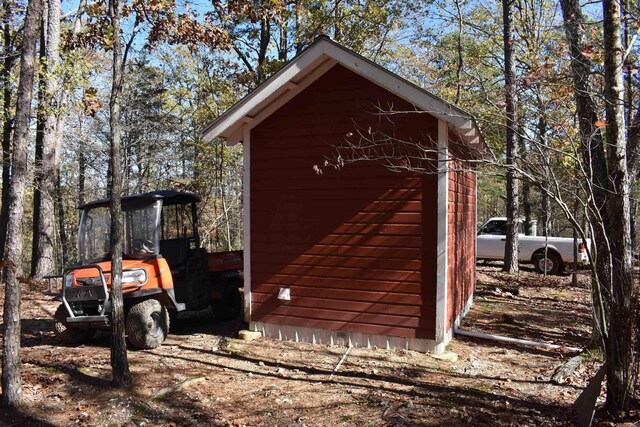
(355,246)
(462,234)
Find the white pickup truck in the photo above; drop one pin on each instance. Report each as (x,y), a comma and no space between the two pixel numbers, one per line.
(531,249)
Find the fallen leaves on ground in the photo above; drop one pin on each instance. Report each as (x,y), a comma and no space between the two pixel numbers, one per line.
(202,375)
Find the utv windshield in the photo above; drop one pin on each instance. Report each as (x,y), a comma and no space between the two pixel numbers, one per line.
(140,234)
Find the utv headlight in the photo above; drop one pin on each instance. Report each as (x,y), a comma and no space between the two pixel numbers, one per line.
(68,280)
(138,275)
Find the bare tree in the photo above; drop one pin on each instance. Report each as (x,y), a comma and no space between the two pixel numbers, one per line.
(459,48)
(67,73)
(43,261)
(619,342)
(8,38)
(608,173)
(119,361)
(512,202)
(40,119)
(11,382)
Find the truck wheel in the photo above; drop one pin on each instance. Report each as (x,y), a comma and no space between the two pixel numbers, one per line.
(229,307)
(551,263)
(147,324)
(67,334)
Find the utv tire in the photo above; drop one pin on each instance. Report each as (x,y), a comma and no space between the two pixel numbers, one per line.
(552,263)
(147,324)
(67,334)
(229,307)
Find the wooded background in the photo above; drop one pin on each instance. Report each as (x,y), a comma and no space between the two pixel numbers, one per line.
(187,62)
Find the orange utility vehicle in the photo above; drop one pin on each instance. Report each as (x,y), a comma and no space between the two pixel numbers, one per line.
(164,270)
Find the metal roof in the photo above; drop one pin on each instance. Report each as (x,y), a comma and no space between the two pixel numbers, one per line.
(169,197)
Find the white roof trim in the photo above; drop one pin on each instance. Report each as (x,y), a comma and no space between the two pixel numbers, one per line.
(310,65)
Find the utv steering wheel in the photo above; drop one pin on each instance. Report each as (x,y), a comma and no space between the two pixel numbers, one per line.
(143,246)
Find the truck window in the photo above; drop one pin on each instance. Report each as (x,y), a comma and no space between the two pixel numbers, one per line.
(498,228)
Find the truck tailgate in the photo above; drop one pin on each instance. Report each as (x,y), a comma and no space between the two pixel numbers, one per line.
(222,261)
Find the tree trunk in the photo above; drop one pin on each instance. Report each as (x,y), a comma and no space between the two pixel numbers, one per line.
(299,37)
(64,239)
(628,65)
(512,203)
(459,48)
(283,45)
(609,202)
(619,344)
(546,212)
(592,145)
(11,382)
(7,124)
(39,140)
(46,169)
(526,205)
(526,185)
(82,168)
(59,133)
(592,148)
(119,362)
(59,196)
(337,21)
(265,39)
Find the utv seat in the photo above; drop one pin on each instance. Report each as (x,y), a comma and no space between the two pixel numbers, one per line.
(175,251)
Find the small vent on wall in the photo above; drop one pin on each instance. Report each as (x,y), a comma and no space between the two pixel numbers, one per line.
(284,294)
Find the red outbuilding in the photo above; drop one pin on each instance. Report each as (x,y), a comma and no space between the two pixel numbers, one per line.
(366,254)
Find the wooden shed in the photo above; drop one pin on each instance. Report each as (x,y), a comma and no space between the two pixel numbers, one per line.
(361,254)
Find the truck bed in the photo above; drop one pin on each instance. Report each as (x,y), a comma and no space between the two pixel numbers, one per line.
(223,261)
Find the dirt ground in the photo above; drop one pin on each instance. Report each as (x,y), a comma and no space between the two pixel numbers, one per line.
(202,375)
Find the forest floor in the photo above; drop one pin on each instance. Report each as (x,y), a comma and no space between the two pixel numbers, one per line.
(202,375)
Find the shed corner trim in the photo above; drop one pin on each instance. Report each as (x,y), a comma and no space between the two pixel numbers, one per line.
(443,232)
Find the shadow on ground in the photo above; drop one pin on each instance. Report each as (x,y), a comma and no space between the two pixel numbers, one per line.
(14,417)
